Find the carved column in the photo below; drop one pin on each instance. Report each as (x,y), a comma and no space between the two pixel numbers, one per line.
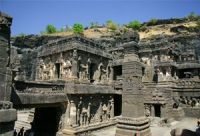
(8,115)
(67,116)
(100,112)
(74,64)
(112,108)
(72,113)
(133,122)
(152,111)
(111,73)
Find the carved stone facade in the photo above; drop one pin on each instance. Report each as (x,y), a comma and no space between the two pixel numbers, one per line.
(81,84)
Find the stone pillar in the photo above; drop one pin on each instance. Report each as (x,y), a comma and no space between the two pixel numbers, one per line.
(133,122)
(8,115)
(111,74)
(74,64)
(72,113)
(67,116)
(112,108)
(152,111)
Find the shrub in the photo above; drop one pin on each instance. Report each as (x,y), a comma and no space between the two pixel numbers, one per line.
(108,21)
(96,24)
(124,28)
(197,17)
(143,28)
(50,29)
(21,34)
(118,25)
(152,21)
(77,28)
(42,32)
(198,22)
(91,24)
(111,25)
(62,29)
(135,25)
(191,16)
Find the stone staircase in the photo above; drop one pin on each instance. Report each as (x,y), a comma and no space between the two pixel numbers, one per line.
(24,119)
(19,124)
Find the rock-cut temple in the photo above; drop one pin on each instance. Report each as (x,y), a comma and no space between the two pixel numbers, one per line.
(78,84)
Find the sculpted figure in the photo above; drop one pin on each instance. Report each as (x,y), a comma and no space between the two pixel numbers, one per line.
(75,53)
(86,74)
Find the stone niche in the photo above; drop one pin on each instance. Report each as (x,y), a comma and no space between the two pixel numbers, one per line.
(88,112)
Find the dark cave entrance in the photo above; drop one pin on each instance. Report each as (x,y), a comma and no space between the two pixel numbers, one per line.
(117,71)
(46,121)
(117,105)
(157,110)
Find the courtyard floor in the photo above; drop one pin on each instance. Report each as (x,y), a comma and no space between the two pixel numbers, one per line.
(186,123)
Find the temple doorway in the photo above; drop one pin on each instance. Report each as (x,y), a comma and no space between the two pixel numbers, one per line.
(157,110)
(117,105)
(46,121)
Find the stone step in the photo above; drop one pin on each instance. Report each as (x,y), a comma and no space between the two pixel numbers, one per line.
(19,124)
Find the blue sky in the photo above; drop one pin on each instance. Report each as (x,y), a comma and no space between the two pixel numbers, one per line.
(31,16)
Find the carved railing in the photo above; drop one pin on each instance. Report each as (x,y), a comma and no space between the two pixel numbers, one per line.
(66,44)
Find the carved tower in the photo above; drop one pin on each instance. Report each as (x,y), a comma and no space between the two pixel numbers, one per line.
(7,114)
(133,122)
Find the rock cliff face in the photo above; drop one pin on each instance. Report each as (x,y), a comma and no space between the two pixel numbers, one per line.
(24,49)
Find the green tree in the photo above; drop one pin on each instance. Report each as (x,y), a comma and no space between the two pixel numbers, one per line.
(77,28)
(135,25)
(191,16)
(50,29)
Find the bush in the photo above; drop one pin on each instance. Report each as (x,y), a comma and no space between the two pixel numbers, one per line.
(42,32)
(111,25)
(118,25)
(143,28)
(135,25)
(62,29)
(77,28)
(198,22)
(124,28)
(92,24)
(50,29)
(21,34)
(108,21)
(191,16)
(152,21)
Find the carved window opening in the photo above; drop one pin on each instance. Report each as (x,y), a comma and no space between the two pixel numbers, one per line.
(157,110)
(93,68)
(185,73)
(117,71)
(57,74)
(117,105)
